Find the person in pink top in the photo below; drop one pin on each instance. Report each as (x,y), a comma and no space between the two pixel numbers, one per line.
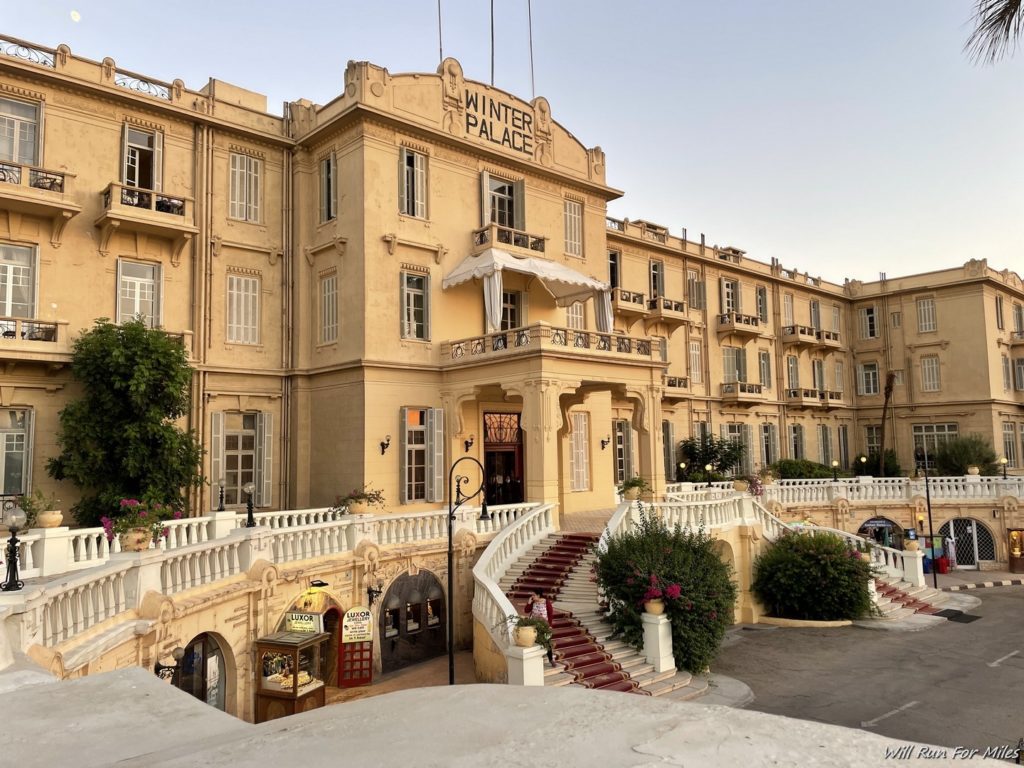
(540,607)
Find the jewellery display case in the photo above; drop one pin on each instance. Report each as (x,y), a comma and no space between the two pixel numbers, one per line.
(288,674)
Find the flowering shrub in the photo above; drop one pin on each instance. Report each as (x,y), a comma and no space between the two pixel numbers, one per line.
(140,514)
(682,566)
(368,494)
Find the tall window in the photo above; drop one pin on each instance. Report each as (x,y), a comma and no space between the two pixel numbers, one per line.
(741,433)
(329,308)
(329,188)
(696,363)
(1010,443)
(1007,379)
(999,312)
(840,376)
(769,444)
(1018,374)
(695,290)
(867,379)
(931,436)
(818,375)
(613,269)
(825,444)
(930,373)
(844,446)
(787,309)
(762,304)
(895,319)
(764,368)
(504,202)
(15,441)
(657,279)
(815,315)
(142,158)
(926,315)
(422,454)
(730,290)
(574,316)
(415,306)
(241,451)
(511,310)
(412,194)
(16,281)
(836,318)
(623,449)
(580,455)
(873,439)
(573,228)
(246,179)
(138,292)
(239,455)
(1018,319)
(734,364)
(243,309)
(19,129)
(792,372)
(868,323)
(796,441)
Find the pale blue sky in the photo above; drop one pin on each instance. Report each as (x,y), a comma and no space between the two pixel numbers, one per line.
(844,139)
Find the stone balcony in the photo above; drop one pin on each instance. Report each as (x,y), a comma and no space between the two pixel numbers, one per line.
(39,192)
(628,304)
(146,211)
(802,397)
(799,335)
(506,238)
(742,393)
(828,339)
(24,339)
(668,312)
(742,325)
(676,388)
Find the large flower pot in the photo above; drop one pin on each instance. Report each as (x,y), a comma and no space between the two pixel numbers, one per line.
(655,606)
(51,518)
(973,470)
(631,494)
(135,539)
(357,507)
(741,485)
(526,637)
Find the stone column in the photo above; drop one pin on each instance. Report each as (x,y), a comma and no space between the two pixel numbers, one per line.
(913,567)
(657,641)
(526,665)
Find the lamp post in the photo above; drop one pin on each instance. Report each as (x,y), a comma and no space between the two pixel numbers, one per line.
(171,672)
(835,470)
(247,489)
(708,468)
(682,471)
(14,518)
(863,463)
(220,505)
(1004,461)
(455,501)
(921,459)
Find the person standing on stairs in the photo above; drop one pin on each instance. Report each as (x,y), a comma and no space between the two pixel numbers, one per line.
(540,607)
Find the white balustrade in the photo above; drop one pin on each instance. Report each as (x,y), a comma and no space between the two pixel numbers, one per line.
(81,603)
(199,566)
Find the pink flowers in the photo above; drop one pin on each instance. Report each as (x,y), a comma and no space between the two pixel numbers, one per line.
(673,591)
(658,589)
(135,514)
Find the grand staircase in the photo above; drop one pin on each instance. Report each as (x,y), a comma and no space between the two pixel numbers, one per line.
(585,652)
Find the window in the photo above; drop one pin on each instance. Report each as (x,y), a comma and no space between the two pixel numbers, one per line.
(844,446)
(836,318)
(701,429)
(241,451)
(818,375)
(769,444)
(868,326)
(503,202)
(246,173)
(623,449)
(1018,374)
(19,131)
(999,312)
(762,304)
(815,314)
(930,373)
(1006,373)
(696,364)
(580,454)
(730,295)
(142,158)
(792,372)
(574,316)
(657,279)
(734,364)
(895,319)
(897,377)
(415,306)
(613,268)
(867,379)
(741,433)
(511,310)
(412,193)
(17,283)
(573,228)
(1010,443)
(422,453)
(825,444)
(931,436)
(243,309)
(796,441)
(328,188)
(329,308)
(1018,319)
(15,450)
(873,439)
(138,292)
(696,290)
(787,309)
(764,369)
(926,315)
(840,376)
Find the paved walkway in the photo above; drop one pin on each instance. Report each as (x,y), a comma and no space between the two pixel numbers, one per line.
(957,580)
(586,522)
(424,675)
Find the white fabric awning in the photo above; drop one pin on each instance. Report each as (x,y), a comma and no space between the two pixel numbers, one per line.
(564,283)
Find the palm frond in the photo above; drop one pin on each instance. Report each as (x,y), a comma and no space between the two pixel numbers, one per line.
(997,30)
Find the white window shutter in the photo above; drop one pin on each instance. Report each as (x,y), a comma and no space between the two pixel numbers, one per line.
(403,458)
(403,191)
(117,315)
(235,186)
(721,295)
(334,185)
(216,456)
(748,455)
(737,296)
(124,153)
(435,454)
(741,364)
(485,198)
(519,204)
(426,307)
(264,458)
(30,434)
(254,167)
(158,161)
(860,379)
(420,188)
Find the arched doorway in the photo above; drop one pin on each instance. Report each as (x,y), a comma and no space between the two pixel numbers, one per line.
(202,671)
(882,531)
(503,458)
(412,622)
(972,541)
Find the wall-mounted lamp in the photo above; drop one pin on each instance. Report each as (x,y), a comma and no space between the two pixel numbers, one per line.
(605,441)
(469,443)
(385,444)
(318,583)
(372,592)
(170,672)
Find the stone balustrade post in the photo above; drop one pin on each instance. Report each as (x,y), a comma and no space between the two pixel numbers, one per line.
(525,665)
(222,524)
(658,641)
(255,546)
(913,567)
(54,546)
(144,576)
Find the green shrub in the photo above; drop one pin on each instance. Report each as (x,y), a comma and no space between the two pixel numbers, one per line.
(892,465)
(804,576)
(685,568)
(954,456)
(787,469)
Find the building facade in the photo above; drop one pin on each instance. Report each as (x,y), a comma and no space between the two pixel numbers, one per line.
(423,269)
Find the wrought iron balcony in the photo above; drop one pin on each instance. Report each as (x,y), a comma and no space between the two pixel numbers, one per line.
(39,192)
(25,339)
(134,209)
(733,322)
(801,335)
(497,236)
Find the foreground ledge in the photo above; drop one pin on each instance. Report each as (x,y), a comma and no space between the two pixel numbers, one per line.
(776,622)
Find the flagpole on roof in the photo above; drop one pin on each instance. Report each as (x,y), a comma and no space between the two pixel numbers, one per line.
(492,43)
(529,17)
(440,47)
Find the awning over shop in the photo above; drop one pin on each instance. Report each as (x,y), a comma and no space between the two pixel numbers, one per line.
(564,283)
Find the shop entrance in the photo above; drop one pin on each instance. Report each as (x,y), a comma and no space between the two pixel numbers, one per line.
(972,540)
(503,458)
(883,531)
(412,622)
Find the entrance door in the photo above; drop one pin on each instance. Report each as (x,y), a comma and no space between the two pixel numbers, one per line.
(503,458)
(412,622)
(973,542)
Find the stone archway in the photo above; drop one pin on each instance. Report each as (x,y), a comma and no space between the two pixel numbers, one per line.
(412,622)
(882,530)
(207,671)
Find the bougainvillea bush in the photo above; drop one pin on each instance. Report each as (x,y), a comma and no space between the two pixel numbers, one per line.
(800,576)
(683,569)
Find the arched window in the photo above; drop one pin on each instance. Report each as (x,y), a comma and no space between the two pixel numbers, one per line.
(201,670)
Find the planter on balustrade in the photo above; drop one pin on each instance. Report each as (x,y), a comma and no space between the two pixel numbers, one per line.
(973,470)
(526,637)
(357,507)
(631,494)
(50,518)
(135,539)
(655,606)
(741,485)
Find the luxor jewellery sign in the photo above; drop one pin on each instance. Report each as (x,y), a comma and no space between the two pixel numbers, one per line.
(357,625)
(303,622)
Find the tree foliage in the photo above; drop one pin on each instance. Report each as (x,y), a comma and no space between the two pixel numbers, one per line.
(723,454)
(786,469)
(998,25)
(119,440)
(954,456)
(892,465)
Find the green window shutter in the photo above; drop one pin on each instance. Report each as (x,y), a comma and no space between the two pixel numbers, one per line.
(519,204)
(403,191)
(216,456)
(264,458)
(435,454)
(420,188)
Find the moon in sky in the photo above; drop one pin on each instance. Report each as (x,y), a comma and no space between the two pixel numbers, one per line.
(76,16)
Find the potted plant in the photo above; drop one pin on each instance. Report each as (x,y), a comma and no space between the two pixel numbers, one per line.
(752,484)
(631,488)
(139,523)
(359,500)
(656,593)
(41,510)
(530,631)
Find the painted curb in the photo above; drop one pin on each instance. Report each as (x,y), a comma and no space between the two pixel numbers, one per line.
(775,622)
(983,584)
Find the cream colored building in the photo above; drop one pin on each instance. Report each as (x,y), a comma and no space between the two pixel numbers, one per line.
(422,269)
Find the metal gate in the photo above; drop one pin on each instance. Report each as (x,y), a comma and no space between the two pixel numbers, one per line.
(972,539)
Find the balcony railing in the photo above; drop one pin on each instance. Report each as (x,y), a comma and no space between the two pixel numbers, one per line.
(628,302)
(29,330)
(669,305)
(827,338)
(733,321)
(147,199)
(679,382)
(19,49)
(616,225)
(830,397)
(36,178)
(541,336)
(798,334)
(742,389)
(493,234)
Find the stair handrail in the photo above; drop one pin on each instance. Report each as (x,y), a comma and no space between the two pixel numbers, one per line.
(617,522)
(887,558)
(491,607)
(772,526)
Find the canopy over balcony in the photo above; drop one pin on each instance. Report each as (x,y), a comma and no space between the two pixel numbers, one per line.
(565,284)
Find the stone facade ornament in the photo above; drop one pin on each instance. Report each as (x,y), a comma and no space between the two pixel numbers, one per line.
(452,96)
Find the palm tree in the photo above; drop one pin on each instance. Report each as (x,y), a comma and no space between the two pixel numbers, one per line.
(998,27)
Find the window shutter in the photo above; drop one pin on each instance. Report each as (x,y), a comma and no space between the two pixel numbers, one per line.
(737,291)
(334,185)
(120,319)
(403,458)
(435,454)
(235,187)
(748,455)
(30,434)
(669,447)
(519,204)
(426,307)
(264,458)
(741,364)
(420,190)
(216,456)
(860,380)
(124,153)
(721,295)
(254,167)
(485,198)
(403,191)
(158,161)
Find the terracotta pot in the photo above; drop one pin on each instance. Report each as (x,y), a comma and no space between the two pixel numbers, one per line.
(51,518)
(741,485)
(911,545)
(135,539)
(973,470)
(526,637)
(357,507)
(655,606)
(631,494)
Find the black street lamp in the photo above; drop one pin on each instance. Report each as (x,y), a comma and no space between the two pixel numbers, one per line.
(220,506)
(1004,461)
(835,470)
(14,519)
(248,489)
(707,469)
(455,501)
(921,459)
